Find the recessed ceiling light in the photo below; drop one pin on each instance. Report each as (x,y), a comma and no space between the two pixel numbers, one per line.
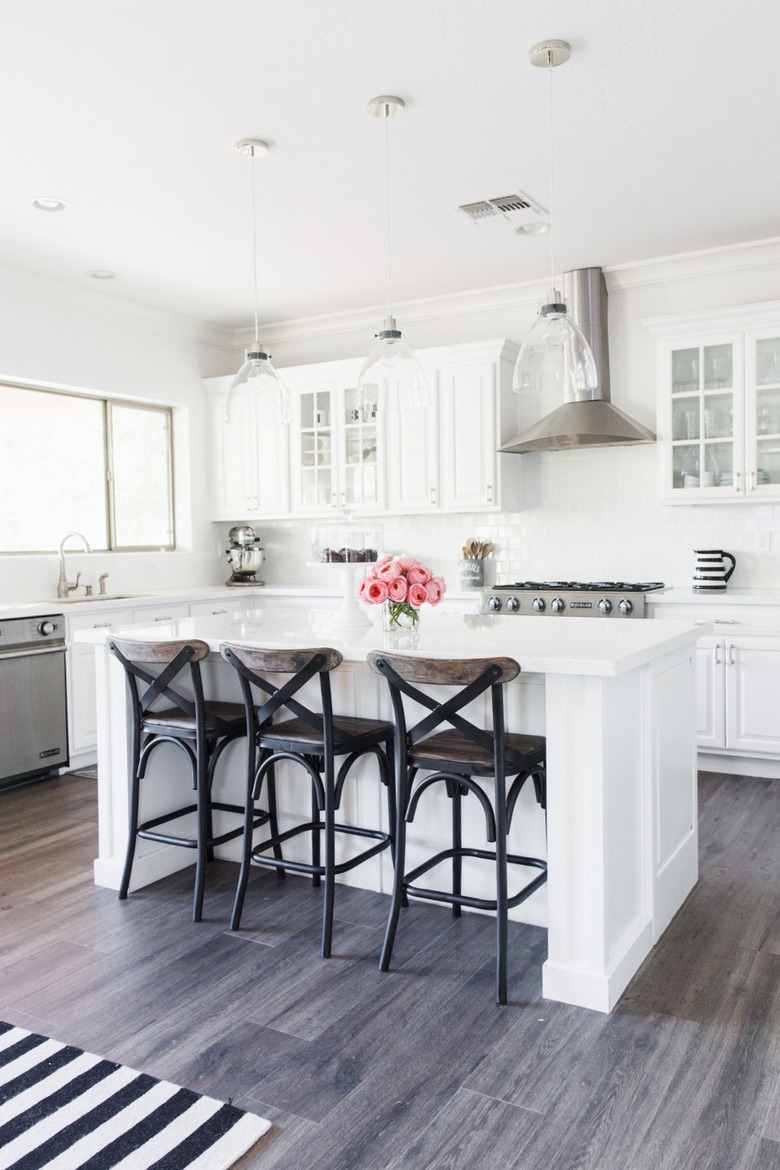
(538,228)
(48,203)
(102,274)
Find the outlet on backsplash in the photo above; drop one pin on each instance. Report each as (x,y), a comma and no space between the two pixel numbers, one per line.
(764,541)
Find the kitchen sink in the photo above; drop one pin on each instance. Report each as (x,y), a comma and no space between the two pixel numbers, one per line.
(100,597)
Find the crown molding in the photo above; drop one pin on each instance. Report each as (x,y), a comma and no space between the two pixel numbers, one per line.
(731,258)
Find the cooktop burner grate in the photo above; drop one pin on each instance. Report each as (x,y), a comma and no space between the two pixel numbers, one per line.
(584,586)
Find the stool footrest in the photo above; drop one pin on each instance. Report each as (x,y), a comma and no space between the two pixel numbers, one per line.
(259,857)
(465,899)
(147,829)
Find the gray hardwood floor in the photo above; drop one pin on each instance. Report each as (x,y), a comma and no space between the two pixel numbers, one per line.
(417,1069)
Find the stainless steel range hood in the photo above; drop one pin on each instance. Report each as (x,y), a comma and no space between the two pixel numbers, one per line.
(592,422)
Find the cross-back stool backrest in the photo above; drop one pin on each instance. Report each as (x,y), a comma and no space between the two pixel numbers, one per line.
(148,687)
(254,666)
(473,675)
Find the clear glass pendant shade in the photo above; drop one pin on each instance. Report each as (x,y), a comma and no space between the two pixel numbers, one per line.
(392,377)
(258,390)
(555,357)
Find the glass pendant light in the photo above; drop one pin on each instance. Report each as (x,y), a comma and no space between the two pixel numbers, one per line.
(555,356)
(257,391)
(392,377)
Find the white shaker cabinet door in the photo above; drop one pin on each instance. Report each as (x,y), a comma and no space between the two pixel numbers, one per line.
(710,693)
(468,470)
(413,456)
(753,685)
(250,470)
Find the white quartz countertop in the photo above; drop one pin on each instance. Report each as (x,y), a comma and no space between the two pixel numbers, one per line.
(580,646)
(715,597)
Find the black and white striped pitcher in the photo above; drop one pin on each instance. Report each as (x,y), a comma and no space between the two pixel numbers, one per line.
(711,571)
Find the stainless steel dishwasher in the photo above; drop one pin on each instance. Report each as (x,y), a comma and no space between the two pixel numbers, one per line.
(33,705)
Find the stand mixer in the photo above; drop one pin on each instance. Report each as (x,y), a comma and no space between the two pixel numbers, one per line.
(245,555)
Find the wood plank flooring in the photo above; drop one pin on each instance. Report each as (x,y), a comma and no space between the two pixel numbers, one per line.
(417,1069)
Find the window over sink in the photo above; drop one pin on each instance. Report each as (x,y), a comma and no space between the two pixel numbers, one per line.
(71,462)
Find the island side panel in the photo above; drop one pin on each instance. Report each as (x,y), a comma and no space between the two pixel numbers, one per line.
(622,844)
(671,703)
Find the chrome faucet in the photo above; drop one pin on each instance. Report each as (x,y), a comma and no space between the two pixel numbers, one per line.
(102,583)
(64,587)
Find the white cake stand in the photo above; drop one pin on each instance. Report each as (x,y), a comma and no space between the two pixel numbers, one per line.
(351,615)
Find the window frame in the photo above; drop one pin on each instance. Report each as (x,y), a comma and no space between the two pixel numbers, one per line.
(109,501)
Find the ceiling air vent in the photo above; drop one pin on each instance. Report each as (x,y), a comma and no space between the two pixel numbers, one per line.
(514,209)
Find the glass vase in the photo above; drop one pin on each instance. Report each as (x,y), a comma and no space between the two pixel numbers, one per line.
(401,624)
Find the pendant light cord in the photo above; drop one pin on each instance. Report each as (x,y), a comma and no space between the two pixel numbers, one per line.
(550,66)
(254,240)
(387,214)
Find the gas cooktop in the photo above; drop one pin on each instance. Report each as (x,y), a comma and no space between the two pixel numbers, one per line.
(610,599)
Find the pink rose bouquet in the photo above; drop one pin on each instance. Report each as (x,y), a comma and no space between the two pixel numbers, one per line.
(403,585)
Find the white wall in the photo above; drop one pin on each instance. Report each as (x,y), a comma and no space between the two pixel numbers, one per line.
(580,514)
(53,334)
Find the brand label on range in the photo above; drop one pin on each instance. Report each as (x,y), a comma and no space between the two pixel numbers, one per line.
(580,605)
(49,752)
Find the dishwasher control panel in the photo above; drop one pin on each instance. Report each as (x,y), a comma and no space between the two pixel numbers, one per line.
(32,631)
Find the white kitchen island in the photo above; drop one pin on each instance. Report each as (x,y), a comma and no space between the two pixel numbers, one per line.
(616,700)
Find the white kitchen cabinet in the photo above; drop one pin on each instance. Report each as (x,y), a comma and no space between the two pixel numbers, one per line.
(221,606)
(752,669)
(443,458)
(82,716)
(719,406)
(446,458)
(337,452)
(163,611)
(738,681)
(249,461)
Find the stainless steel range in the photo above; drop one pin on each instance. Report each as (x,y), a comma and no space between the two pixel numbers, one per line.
(610,599)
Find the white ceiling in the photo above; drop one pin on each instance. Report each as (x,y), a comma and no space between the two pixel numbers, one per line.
(666,141)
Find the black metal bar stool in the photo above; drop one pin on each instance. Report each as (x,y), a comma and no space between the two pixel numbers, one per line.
(312,740)
(458,757)
(201,728)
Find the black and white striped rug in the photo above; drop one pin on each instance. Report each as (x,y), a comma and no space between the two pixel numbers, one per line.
(64,1109)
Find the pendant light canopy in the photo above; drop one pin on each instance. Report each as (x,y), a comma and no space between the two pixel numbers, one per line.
(392,377)
(257,390)
(555,356)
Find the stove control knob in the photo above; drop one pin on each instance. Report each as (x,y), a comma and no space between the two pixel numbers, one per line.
(625,606)
(557,605)
(538,604)
(605,605)
(46,628)
(494,604)
(512,604)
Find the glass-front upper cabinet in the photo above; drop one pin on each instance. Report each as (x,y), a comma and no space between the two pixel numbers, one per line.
(360,486)
(719,404)
(704,425)
(336,450)
(316,473)
(763,416)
